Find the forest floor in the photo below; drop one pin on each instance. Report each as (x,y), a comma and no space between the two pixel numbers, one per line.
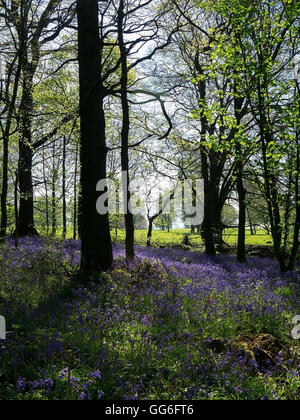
(173,324)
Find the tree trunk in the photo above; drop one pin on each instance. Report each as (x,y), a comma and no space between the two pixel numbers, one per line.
(16,233)
(206,228)
(53,198)
(252,226)
(96,250)
(271,190)
(75,196)
(241,247)
(295,245)
(4,188)
(6,134)
(149,234)
(26,220)
(64,209)
(26,210)
(46,194)
(129,221)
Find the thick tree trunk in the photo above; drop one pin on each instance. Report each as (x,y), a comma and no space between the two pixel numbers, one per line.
(217,223)
(26,209)
(212,164)
(207,225)
(95,233)
(212,226)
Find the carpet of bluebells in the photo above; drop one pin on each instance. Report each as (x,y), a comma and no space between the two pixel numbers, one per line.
(171,325)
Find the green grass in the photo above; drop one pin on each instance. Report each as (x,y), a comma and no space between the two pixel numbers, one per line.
(175,237)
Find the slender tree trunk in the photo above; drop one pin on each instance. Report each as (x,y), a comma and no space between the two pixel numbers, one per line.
(295,245)
(75,196)
(16,232)
(4,188)
(241,247)
(64,189)
(155,216)
(96,249)
(6,133)
(287,213)
(271,189)
(252,227)
(46,194)
(129,221)
(150,229)
(53,197)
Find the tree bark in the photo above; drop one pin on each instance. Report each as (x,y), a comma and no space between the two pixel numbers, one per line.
(26,219)
(96,248)
(75,195)
(64,190)
(252,226)
(206,228)
(28,69)
(46,194)
(149,234)
(295,245)
(129,221)
(241,247)
(16,232)
(4,188)
(6,134)
(53,197)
